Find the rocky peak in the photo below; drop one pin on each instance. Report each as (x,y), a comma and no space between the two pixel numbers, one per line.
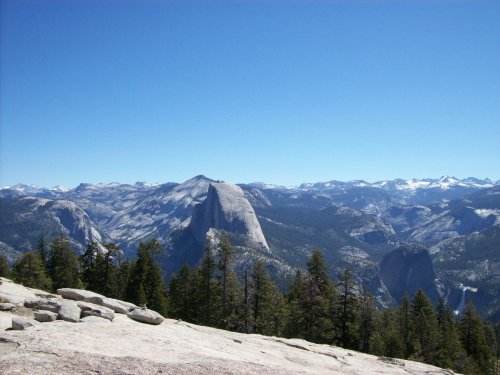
(408,268)
(226,208)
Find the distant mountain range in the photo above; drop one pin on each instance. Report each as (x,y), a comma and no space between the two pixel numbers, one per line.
(356,224)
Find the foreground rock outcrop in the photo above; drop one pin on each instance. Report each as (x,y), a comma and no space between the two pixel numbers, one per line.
(70,305)
(125,346)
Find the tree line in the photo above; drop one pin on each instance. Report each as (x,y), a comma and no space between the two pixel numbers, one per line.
(315,307)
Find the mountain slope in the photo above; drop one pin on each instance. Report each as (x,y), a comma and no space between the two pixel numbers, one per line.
(25,219)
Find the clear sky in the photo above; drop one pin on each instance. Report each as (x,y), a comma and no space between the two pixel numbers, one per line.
(275,91)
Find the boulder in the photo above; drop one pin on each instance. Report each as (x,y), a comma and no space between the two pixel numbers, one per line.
(113,304)
(6,306)
(45,316)
(130,306)
(146,316)
(91,309)
(69,311)
(50,305)
(77,294)
(19,323)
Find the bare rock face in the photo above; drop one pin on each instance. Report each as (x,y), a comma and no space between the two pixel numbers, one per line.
(227,208)
(408,269)
(146,316)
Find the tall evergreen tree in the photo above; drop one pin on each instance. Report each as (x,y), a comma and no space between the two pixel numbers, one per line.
(473,340)
(110,285)
(229,284)
(367,326)
(392,345)
(424,328)
(208,305)
(29,271)
(347,306)
(318,301)
(448,345)
(226,257)
(246,311)
(404,320)
(295,326)
(267,302)
(89,267)
(145,285)
(182,295)
(4,267)
(64,267)
(42,251)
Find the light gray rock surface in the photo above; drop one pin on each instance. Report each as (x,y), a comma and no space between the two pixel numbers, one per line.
(69,311)
(146,316)
(14,293)
(45,316)
(128,347)
(91,309)
(20,323)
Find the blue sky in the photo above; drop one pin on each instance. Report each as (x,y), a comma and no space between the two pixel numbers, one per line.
(275,91)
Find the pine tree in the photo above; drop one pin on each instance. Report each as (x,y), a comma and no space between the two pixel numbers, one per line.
(318,301)
(424,328)
(209,312)
(367,326)
(42,251)
(392,345)
(347,306)
(110,285)
(145,284)
(246,311)
(30,272)
(473,340)
(4,267)
(122,277)
(225,263)
(295,326)
(182,293)
(229,284)
(267,302)
(404,320)
(89,268)
(64,267)
(448,345)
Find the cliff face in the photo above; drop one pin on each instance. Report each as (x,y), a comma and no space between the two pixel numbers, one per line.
(408,268)
(226,208)
(25,219)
